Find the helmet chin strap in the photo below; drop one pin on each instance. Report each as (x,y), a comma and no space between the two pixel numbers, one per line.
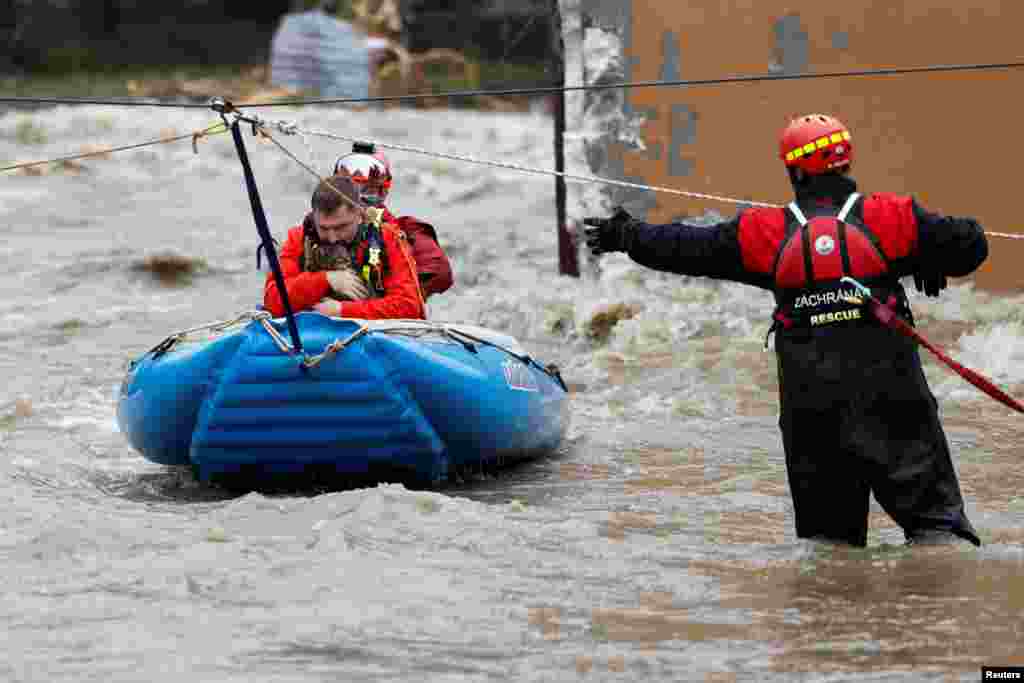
(797,177)
(800,178)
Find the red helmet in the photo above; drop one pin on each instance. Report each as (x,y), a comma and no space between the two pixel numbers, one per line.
(816,144)
(370,173)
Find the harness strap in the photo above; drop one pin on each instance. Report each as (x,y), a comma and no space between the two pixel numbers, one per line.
(843,213)
(778,319)
(797,213)
(847,207)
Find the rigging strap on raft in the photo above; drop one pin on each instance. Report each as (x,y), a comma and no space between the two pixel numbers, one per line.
(220,326)
(226,110)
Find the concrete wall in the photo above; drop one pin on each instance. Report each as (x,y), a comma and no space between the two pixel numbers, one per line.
(948,139)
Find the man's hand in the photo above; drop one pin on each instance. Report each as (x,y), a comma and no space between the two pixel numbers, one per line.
(610,234)
(329,307)
(347,286)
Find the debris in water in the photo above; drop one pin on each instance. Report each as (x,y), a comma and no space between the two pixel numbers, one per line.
(23,408)
(70,326)
(427,505)
(171,268)
(604,320)
(72,166)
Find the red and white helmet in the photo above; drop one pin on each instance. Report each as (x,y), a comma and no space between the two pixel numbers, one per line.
(369,170)
(816,144)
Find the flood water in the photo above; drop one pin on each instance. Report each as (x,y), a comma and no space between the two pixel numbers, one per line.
(657,544)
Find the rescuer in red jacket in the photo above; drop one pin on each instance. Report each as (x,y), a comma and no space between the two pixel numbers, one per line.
(856,413)
(371,173)
(341,264)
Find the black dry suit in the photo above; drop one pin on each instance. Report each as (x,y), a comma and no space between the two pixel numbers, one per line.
(856,414)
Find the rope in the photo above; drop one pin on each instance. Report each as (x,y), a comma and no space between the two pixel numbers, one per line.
(646,84)
(311,152)
(755,78)
(116,102)
(218,326)
(886,314)
(567,176)
(260,218)
(282,343)
(336,346)
(539,171)
(291,130)
(215,129)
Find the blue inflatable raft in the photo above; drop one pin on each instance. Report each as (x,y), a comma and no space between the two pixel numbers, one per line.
(388,400)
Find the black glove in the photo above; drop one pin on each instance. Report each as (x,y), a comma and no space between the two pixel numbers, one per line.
(930,283)
(610,234)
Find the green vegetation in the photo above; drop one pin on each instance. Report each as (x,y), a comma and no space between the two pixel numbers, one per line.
(76,71)
(171,81)
(484,75)
(345,9)
(111,80)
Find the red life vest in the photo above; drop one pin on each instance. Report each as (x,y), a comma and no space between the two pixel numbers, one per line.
(435,272)
(815,254)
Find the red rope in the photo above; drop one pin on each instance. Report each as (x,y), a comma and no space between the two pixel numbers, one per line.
(886,314)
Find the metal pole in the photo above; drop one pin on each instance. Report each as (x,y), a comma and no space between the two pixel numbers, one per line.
(265,236)
(568,261)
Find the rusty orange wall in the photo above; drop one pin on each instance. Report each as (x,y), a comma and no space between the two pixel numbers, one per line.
(949,139)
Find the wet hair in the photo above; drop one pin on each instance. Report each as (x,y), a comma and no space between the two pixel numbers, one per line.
(332,193)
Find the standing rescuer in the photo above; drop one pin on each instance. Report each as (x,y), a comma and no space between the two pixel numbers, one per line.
(856,413)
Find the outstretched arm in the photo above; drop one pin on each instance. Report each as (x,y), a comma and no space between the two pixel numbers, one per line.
(708,251)
(954,246)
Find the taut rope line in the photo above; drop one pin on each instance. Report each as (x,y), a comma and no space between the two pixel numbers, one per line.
(750,78)
(215,129)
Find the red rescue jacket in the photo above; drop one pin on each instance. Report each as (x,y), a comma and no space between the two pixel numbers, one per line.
(402,297)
